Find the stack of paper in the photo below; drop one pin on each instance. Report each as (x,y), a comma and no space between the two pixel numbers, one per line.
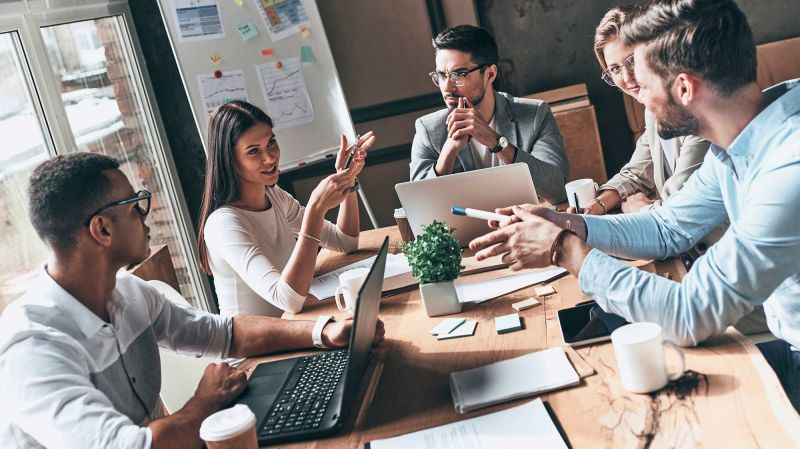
(324,286)
(483,291)
(528,426)
(511,379)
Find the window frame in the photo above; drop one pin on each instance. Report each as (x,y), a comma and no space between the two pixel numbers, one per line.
(26,18)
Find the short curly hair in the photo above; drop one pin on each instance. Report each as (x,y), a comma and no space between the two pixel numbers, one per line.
(63,191)
(476,41)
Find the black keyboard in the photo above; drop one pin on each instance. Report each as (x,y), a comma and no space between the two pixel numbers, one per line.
(302,403)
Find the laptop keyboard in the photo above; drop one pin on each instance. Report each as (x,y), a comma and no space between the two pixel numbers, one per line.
(305,397)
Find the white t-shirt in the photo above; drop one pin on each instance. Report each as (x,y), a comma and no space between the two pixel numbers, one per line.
(482,156)
(247,252)
(670,149)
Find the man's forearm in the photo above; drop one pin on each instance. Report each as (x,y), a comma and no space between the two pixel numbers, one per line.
(572,253)
(182,428)
(256,335)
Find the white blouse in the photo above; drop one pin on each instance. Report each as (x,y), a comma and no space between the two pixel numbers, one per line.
(248,250)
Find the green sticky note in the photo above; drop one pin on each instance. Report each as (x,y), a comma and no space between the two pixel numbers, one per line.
(238,2)
(247,30)
(306,55)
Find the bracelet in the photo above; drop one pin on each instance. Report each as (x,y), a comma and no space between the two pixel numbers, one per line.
(316,333)
(310,237)
(602,204)
(557,244)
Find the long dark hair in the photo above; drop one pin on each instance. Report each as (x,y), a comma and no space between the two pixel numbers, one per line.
(228,122)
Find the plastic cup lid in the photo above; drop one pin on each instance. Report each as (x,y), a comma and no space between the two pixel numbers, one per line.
(400,213)
(227,423)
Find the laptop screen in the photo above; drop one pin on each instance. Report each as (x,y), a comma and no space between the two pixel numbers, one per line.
(369,301)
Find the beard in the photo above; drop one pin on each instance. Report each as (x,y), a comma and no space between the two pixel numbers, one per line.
(475,100)
(676,121)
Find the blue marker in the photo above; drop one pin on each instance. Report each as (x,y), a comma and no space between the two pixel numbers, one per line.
(480,214)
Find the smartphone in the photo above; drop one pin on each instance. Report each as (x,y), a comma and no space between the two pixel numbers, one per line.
(352,152)
(587,323)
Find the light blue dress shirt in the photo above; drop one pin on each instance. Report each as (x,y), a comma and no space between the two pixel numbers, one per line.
(756,183)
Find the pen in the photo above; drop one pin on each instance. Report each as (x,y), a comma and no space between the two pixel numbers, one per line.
(481,214)
(577,204)
(352,152)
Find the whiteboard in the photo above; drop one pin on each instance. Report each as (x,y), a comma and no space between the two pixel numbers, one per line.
(242,61)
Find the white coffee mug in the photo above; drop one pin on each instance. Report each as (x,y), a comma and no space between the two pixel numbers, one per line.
(640,357)
(584,189)
(347,292)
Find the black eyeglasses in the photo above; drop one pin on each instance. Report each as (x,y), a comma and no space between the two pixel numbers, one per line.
(142,200)
(457,78)
(612,72)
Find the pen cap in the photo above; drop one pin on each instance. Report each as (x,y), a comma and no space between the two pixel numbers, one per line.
(458,210)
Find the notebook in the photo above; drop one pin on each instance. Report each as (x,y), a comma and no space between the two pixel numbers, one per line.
(511,379)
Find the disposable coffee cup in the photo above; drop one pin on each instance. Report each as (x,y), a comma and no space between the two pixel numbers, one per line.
(403,226)
(233,428)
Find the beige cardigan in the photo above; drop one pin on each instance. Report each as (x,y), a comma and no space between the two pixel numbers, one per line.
(645,171)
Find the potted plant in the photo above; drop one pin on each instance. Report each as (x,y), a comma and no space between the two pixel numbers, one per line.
(435,260)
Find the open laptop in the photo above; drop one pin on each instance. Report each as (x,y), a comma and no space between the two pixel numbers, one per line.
(486,189)
(308,397)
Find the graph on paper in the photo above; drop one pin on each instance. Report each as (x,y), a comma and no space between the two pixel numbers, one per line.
(218,91)
(286,93)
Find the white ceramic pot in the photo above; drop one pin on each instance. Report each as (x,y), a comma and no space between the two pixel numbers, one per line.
(440,298)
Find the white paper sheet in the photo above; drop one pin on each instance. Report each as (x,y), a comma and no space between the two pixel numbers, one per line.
(286,93)
(282,18)
(198,20)
(218,91)
(324,285)
(526,426)
(485,290)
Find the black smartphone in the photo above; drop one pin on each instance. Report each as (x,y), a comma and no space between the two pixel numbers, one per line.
(587,323)
(352,152)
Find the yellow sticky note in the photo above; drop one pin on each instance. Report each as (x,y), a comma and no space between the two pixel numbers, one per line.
(238,2)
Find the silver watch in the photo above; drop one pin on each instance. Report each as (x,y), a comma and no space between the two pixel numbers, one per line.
(502,143)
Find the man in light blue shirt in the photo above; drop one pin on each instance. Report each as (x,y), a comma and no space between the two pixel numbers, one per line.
(696,68)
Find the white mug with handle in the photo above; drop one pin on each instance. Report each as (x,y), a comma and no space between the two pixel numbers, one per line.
(639,348)
(347,292)
(583,189)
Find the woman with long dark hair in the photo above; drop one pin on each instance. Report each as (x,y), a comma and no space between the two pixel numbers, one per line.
(257,241)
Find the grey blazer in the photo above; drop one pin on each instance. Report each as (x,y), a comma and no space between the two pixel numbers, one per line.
(645,171)
(527,124)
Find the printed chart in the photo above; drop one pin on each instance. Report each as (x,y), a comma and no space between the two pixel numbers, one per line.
(286,93)
(282,17)
(218,91)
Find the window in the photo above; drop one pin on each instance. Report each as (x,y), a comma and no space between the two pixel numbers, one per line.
(104,104)
(22,147)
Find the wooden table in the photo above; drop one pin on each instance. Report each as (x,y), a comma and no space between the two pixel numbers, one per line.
(737,402)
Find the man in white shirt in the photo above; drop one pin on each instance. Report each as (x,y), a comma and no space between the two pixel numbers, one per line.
(79,352)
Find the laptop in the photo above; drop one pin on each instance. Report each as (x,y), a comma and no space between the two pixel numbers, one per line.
(309,397)
(484,189)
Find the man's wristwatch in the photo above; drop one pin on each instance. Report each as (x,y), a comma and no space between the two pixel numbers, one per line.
(502,143)
(316,333)
(354,187)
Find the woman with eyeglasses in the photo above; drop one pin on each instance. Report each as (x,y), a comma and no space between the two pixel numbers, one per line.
(256,240)
(658,167)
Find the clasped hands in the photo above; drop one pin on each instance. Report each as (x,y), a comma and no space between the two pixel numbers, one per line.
(464,122)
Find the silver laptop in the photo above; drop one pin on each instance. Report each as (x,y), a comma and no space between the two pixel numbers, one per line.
(485,189)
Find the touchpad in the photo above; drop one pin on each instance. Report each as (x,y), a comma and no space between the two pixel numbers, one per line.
(261,392)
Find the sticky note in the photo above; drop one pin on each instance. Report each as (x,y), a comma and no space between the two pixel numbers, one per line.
(544,291)
(447,326)
(215,58)
(267,3)
(465,330)
(527,304)
(267,51)
(247,30)
(239,2)
(507,323)
(306,55)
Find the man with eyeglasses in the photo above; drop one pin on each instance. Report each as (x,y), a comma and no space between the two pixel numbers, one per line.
(483,128)
(79,353)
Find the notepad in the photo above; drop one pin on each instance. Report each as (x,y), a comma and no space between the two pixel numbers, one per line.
(526,426)
(511,379)
(447,326)
(465,330)
(544,291)
(507,323)
(523,305)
